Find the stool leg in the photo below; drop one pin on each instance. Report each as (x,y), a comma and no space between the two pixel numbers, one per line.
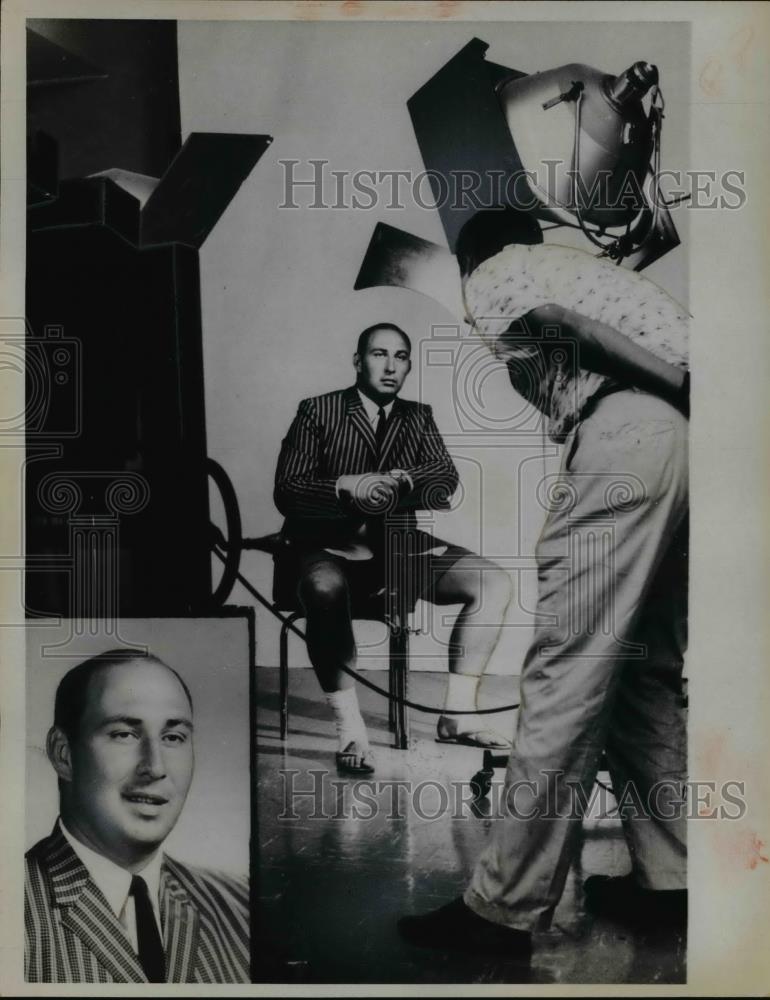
(404,686)
(399,664)
(283,671)
(392,683)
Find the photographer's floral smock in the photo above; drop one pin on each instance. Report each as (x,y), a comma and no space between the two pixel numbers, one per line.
(519,278)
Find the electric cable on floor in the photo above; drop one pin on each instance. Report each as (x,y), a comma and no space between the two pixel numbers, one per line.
(428,709)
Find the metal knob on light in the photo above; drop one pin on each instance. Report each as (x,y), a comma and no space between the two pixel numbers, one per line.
(631,85)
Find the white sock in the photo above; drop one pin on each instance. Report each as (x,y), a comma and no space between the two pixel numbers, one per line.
(461,692)
(461,697)
(347,718)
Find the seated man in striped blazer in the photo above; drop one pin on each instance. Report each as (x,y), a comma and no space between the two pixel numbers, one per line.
(351,457)
(103,904)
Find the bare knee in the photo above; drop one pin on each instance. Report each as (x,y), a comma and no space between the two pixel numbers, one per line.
(488,590)
(323,589)
(497,591)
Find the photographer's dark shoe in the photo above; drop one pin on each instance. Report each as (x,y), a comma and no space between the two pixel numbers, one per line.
(455,927)
(620,898)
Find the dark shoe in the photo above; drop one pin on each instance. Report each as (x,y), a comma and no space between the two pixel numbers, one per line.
(456,927)
(354,760)
(620,898)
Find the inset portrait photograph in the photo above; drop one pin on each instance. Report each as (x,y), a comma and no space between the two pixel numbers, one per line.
(138,803)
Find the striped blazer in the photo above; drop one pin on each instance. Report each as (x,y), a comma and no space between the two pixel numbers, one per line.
(332,436)
(73,936)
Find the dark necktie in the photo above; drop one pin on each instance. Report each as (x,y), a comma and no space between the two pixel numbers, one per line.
(149,944)
(380,431)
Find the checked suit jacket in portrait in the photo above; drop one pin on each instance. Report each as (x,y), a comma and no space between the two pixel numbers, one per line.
(332,436)
(73,936)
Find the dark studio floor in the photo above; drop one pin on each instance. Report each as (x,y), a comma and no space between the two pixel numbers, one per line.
(331,885)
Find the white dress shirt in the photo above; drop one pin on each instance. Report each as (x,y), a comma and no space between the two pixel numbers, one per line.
(373,409)
(114,883)
(373,413)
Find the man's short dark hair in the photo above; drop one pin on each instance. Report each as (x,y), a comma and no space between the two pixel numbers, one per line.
(73,687)
(365,336)
(489,231)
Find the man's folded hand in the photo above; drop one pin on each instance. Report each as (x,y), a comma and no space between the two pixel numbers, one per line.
(369,492)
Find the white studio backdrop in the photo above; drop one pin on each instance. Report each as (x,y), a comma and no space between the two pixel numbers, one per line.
(280,316)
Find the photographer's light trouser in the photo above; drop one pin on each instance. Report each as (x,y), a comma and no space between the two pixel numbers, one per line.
(612,563)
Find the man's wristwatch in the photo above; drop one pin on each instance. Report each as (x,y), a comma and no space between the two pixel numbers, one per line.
(403,479)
